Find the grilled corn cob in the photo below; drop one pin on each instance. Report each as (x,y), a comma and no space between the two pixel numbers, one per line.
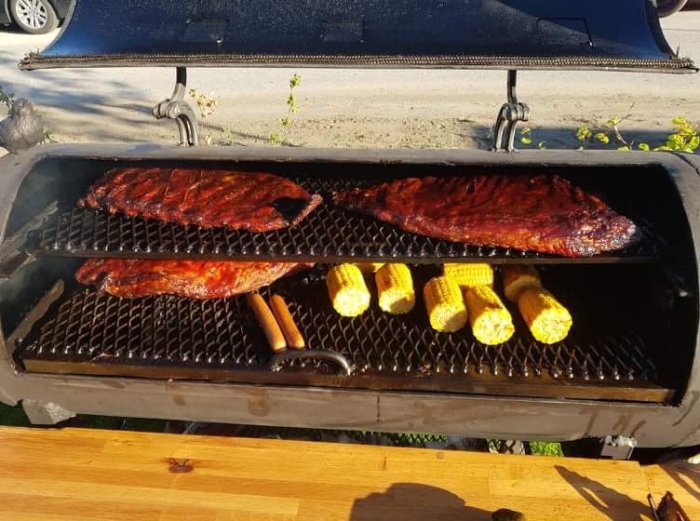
(548,320)
(368,267)
(347,290)
(395,288)
(445,306)
(469,275)
(517,278)
(490,320)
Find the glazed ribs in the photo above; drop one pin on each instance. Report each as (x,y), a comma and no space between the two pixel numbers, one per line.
(542,213)
(131,278)
(257,202)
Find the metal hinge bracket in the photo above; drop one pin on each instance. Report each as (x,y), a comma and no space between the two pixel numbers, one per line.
(511,113)
(178,109)
(618,447)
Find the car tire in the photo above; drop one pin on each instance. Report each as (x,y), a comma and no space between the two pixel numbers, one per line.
(669,7)
(34,16)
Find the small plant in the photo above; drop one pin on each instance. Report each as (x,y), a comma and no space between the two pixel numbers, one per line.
(206,105)
(286,122)
(684,139)
(6,99)
(527,138)
(546,448)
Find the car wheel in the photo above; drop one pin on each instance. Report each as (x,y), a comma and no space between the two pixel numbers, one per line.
(669,7)
(34,16)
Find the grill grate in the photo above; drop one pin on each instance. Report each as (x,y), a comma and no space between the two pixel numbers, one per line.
(173,337)
(331,233)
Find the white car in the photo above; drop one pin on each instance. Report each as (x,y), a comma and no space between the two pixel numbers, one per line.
(34,16)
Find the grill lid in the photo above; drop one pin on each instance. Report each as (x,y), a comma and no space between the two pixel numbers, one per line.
(502,34)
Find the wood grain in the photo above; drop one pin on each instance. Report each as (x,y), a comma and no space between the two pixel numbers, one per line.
(73,474)
(681,480)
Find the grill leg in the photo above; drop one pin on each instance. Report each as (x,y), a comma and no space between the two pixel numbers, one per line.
(45,413)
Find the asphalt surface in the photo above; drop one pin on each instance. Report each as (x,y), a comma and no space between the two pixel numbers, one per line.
(336,106)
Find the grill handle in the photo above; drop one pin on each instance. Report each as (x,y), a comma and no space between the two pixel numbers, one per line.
(344,366)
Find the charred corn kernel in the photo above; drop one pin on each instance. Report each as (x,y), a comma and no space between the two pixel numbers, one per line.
(395,288)
(517,278)
(445,305)
(469,275)
(548,320)
(369,267)
(490,320)
(347,290)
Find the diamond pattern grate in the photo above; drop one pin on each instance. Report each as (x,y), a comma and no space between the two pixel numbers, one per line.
(329,232)
(219,339)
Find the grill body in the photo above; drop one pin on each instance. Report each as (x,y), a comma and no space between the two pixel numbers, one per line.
(507,399)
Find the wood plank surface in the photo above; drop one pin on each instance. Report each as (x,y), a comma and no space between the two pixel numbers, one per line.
(75,474)
(681,480)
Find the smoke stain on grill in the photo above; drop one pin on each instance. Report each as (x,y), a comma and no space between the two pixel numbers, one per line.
(622,423)
(182,466)
(259,405)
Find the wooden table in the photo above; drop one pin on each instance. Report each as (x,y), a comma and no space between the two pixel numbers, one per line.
(74,475)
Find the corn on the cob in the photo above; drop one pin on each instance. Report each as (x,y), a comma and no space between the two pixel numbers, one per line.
(347,290)
(491,322)
(548,320)
(395,288)
(469,275)
(517,278)
(445,306)
(369,267)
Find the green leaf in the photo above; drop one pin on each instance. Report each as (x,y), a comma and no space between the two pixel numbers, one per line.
(623,148)
(615,120)
(679,121)
(541,145)
(526,140)
(294,81)
(602,137)
(694,143)
(525,130)
(663,148)
(544,448)
(644,147)
(583,133)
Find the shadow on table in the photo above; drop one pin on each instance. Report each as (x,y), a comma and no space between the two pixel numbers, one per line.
(414,502)
(611,503)
(687,478)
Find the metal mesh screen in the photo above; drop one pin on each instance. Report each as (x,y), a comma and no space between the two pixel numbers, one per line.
(173,337)
(329,232)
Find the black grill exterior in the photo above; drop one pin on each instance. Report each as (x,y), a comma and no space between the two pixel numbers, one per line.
(629,367)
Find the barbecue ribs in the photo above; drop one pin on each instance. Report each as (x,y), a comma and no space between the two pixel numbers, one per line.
(257,202)
(543,213)
(132,278)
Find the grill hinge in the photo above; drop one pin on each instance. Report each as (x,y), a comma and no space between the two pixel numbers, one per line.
(511,113)
(618,447)
(178,109)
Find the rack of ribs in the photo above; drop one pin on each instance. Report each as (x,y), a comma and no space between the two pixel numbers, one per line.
(131,278)
(257,202)
(542,213)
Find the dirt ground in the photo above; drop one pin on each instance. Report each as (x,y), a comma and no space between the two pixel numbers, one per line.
(355,108)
